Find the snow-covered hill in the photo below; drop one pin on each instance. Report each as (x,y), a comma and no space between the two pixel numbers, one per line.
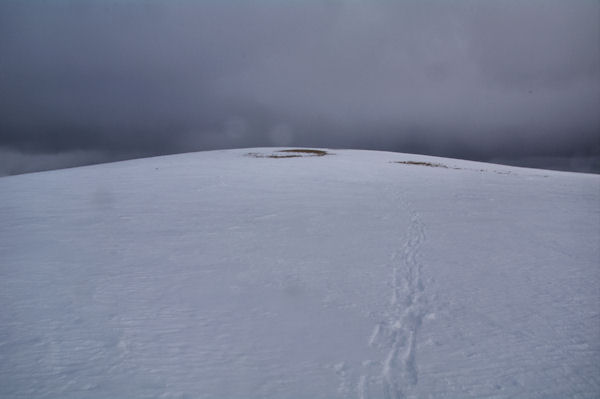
(226,274)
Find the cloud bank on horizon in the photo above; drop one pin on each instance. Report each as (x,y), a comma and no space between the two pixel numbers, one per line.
(95,81)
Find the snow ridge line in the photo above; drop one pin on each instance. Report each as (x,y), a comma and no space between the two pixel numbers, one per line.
(407,308)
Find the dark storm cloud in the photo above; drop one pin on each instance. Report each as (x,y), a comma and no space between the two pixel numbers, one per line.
(507,80)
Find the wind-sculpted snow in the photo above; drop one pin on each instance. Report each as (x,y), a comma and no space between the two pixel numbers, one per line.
(353,275)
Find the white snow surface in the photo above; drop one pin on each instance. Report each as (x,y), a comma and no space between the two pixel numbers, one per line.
(222,275)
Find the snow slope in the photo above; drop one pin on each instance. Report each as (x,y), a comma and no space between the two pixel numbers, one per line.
(223,275)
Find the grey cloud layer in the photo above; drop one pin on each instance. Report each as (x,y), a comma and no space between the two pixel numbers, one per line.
(468,79)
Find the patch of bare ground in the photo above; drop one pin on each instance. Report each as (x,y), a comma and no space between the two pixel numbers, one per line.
(292,153)
(315,153)
(439,165)
(430,164)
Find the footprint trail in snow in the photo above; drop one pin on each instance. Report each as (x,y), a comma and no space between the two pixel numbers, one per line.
(396,335)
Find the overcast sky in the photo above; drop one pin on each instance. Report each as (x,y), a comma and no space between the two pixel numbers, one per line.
(93,81)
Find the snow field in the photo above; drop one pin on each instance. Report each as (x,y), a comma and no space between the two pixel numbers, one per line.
(223,275)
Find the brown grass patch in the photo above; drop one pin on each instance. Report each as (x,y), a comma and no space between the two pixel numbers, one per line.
(257,155)
(430,164)
(293,153)
(316,153)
